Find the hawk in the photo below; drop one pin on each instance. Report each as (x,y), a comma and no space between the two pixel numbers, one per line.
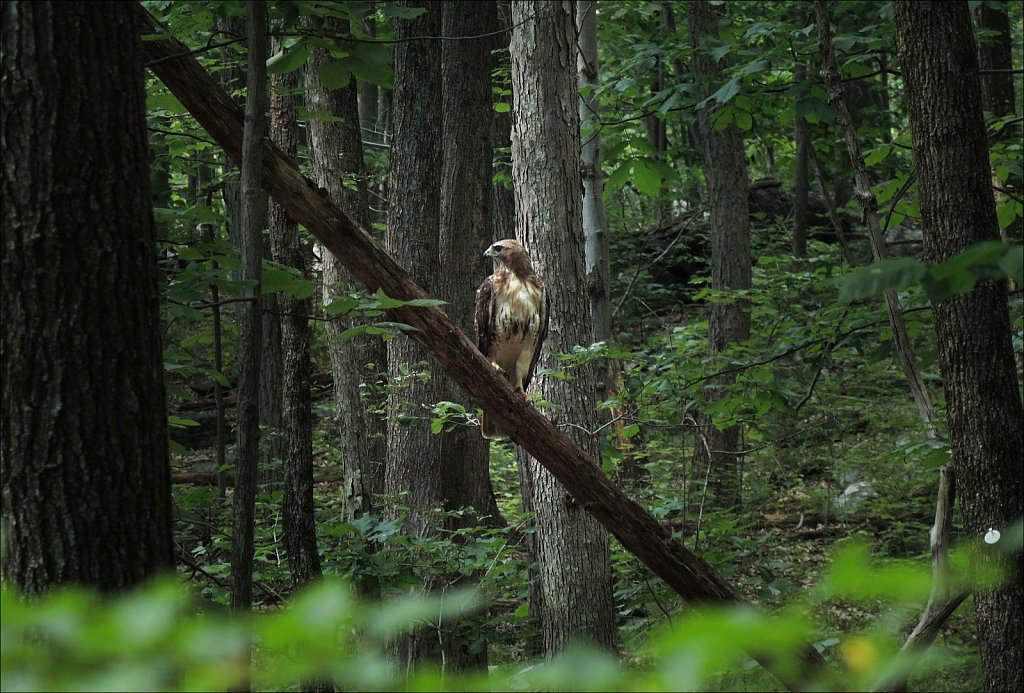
(511,318)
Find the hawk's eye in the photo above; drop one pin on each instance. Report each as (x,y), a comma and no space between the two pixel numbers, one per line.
(497,248)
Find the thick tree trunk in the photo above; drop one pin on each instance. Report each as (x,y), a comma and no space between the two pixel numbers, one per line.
(358,364)
(725,168)
(573,549)
(296,413)
(414,465)
(465,215)
(253,220)
(465,224)
(83,450)
(640,533)
(940,72)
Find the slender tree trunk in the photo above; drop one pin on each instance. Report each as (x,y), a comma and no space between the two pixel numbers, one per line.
(725,168)
(296,413)
(996,53)
(801,182)
(358,364)
(220,444)
(503,222)
(901,340)
(232,79)
(83,448)
(573,549)
(253,219)
(595,227)
(940,71)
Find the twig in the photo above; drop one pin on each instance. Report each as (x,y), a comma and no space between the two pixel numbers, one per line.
(195,51)
(940,604)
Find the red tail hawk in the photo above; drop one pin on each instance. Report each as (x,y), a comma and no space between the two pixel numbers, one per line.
(511,318)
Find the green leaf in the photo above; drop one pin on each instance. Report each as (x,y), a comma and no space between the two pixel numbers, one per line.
(1013,263)
(386,330)
(179,422)
(646,177)
(502,107)
(1008,210)
(958,274)
(391,9)
(166,102)
(341,305)
(727,91)
(873,156)
(887,275)
(723,118)
(289,59)
(287,280)
(334,75)
(371,63)
(743,120)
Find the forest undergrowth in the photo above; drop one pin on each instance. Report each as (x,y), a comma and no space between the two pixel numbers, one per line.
(851,464)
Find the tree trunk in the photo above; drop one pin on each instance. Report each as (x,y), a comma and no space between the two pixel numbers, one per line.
(595,229)
(414,466)
(336,157)
(83,451)
(940,73)
(503,203)
(996,53)
(725,168)
(296,402)
(253,220)
(573,549)
(465,215)
(901,339)
(801,181)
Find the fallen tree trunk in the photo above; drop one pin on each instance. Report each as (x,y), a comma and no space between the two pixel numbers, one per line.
(638,531)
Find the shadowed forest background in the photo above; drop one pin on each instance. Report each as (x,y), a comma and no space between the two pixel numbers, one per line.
(774,441)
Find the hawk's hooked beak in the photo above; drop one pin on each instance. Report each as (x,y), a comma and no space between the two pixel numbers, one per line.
(490,252)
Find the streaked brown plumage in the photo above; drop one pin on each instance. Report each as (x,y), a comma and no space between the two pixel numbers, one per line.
(511,318)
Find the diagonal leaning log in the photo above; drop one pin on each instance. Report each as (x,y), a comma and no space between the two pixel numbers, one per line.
(689,575)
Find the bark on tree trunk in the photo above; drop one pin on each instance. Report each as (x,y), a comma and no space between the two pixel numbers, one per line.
(940,73)
(253,219)
(725,168)
(336,158)
(296,415)
(83,449)
(465,224)
(414,466)
(573,549)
